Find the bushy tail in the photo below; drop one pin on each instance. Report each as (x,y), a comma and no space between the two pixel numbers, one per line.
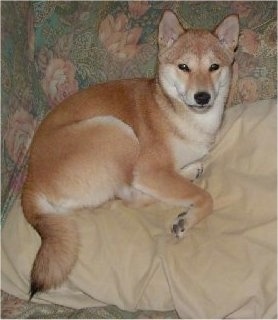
(58,251)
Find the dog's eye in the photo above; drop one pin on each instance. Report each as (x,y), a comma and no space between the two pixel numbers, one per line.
(184,67)
(214,67)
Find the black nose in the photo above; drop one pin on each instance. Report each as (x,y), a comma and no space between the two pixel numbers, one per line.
(202,98)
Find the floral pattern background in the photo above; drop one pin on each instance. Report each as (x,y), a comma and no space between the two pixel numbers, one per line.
(52,49)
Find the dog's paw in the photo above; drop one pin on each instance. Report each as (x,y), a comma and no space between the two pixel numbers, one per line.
(193,171)
(179,227)
(199,171)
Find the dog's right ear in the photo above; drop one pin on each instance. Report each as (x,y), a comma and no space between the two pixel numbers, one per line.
(169,30)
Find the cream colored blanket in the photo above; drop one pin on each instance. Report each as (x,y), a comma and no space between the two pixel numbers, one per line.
(224,267)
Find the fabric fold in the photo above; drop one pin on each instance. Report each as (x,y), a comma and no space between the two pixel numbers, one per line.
(224,267)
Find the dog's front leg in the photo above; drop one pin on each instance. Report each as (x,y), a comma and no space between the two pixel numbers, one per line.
(168,186)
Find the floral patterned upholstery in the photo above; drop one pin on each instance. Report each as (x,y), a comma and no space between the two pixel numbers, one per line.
(52,49)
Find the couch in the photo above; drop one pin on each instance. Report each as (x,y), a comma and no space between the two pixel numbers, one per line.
(226,267)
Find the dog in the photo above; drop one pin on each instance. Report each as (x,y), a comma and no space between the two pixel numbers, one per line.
(129,139)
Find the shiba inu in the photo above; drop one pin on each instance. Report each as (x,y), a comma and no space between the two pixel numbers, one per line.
(128,139)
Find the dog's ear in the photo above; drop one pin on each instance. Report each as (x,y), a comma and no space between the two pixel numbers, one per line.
(228,32)
(169,29)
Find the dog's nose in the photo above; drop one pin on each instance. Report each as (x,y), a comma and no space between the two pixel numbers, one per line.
(202,98)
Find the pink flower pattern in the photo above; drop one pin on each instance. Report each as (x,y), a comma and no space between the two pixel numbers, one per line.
(18,136)
(138,8)
(117,38)
(59,82)
(249,41)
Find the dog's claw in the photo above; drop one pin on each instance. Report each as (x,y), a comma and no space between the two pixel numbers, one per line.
(199,172)
(178,227)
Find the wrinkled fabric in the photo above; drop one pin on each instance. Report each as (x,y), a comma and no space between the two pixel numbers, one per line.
(225,267)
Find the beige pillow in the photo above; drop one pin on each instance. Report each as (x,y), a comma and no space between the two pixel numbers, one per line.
(224,267)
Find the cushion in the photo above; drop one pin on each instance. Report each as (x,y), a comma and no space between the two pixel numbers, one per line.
(225,267)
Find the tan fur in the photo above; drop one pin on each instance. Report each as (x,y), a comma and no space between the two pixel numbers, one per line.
(128,139)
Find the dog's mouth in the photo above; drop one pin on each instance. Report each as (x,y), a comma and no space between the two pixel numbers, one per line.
(199,108)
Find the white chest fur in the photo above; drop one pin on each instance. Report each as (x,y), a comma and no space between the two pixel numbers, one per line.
(185,152)
(197,133)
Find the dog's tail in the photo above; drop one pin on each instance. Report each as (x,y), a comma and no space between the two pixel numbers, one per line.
(59,247)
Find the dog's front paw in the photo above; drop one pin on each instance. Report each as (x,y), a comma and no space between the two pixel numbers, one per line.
(193,171)
(199,171)
(179,226)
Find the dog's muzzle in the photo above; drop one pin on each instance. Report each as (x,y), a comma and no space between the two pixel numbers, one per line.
(202,100)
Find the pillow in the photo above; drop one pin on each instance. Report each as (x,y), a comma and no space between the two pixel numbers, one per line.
(225,267)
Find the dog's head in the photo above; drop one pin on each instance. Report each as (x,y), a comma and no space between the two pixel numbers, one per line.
(195,65)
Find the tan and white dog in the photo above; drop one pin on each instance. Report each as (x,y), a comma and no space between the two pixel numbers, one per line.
(129,139)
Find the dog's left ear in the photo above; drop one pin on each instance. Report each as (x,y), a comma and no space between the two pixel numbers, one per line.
(228,32)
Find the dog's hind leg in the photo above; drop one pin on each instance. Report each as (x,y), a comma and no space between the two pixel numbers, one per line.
(85,165)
